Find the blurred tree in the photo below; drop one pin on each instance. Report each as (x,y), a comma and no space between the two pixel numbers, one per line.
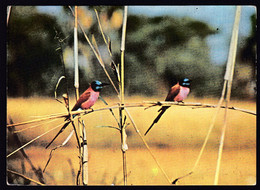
(162,50)
(246,68)
(159,52)
(32,62)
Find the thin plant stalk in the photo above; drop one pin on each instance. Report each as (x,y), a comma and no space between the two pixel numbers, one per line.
(124,147)
(131,120)
(227,86)
(84,156)
(96,53)
(83,149)
(99,23)
(207,136)
(125,106)
(76,78)
(146,145)
(34,139)
(229,77)
(25,177)
(18,142)
(66,98)
(143,104)
(123,134)
(34,126)
(59,146)
(76,68)
(211,125)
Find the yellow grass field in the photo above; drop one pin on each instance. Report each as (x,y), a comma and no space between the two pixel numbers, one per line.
(175,140)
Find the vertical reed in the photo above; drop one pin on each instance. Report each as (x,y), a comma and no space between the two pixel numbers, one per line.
(229,78)
(83,149)
(224,96)
(124,146)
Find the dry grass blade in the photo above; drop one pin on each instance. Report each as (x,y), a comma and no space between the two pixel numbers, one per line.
(34,126)
(25,177)
(38,172)
(34,140)
(108,43)
(229,77)
(60,115)
(94,42)
(98,57)
(115,70)
(101,30)
(56,87)
(108,127)
(148,148)
(196,105)
(110,110)
(109,46)
(54,116)
(52,150)
(208,134)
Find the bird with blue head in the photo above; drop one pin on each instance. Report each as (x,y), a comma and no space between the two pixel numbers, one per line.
(86,100)
(177,93)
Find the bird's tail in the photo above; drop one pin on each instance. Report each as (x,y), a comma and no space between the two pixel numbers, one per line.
(60,131)
(162,110)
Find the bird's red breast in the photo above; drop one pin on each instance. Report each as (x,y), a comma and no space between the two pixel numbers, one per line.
(86,100)
(177,93)
(183,93)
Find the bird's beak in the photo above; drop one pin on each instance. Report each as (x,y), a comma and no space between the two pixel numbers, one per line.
(105,84)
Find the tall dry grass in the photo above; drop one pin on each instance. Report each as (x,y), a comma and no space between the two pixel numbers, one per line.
(175,141)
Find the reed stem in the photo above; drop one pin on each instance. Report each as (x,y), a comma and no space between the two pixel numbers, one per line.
(124,146)
(229,77)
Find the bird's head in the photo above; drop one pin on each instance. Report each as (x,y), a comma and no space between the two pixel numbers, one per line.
(97,85)
(185,82)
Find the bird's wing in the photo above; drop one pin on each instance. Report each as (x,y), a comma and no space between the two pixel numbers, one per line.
(84,97)
(174,91)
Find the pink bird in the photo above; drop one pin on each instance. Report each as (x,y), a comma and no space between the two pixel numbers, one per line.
(86,100)
(177,93)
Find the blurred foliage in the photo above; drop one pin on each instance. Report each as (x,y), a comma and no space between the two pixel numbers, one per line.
(246,66)
(159,52)
(162,50)
(32,62)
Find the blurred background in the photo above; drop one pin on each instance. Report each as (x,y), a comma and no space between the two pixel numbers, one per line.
(163,45)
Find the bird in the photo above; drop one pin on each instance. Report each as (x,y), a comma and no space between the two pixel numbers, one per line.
(86,100)
(177,93)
